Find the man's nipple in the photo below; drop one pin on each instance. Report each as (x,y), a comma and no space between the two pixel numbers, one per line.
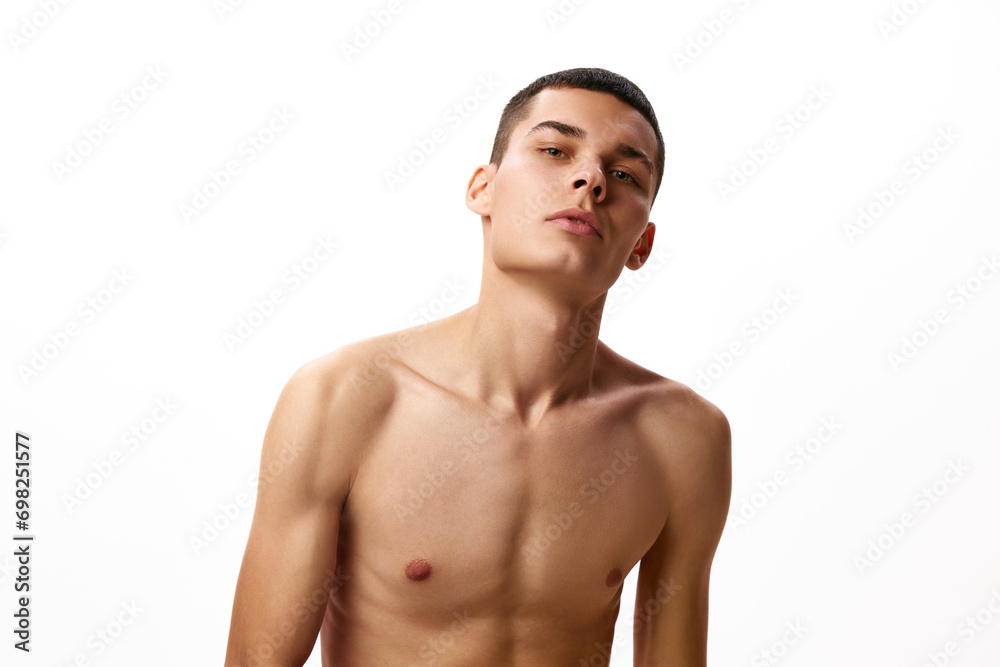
(418,569)
(614,577)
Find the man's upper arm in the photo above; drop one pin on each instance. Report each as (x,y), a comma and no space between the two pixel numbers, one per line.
(290,559)
(671,607)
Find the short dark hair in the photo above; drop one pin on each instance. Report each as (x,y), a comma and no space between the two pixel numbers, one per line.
(586,78)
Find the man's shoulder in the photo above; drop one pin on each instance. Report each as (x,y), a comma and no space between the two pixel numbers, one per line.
(691,439)
(685,411)
(659,392)
(672,415)
(354,380)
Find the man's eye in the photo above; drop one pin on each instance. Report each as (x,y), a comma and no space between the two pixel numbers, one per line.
(552,148)
(628,178)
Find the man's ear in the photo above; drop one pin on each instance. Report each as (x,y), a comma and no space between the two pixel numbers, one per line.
(477,193)
(644,246)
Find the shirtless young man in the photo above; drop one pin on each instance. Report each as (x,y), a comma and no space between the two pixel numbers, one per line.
(472,492)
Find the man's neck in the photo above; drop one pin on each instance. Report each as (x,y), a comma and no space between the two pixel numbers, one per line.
(523,349)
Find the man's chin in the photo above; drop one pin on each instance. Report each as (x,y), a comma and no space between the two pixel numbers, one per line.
(570,277)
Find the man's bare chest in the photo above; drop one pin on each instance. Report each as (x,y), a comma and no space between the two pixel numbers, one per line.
(449,496)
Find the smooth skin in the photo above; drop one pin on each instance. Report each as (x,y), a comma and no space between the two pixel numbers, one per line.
(473,491)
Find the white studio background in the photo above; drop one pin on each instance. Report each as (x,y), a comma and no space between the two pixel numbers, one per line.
(826,273)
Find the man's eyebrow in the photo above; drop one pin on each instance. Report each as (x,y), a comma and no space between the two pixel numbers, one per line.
(561,128)
(575,132)
(629,151)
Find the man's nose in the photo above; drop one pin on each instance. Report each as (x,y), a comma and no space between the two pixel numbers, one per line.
(591,176)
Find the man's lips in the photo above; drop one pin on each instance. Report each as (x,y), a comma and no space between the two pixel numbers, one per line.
(577,216)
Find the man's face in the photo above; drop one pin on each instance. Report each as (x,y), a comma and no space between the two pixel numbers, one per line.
(576,149)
